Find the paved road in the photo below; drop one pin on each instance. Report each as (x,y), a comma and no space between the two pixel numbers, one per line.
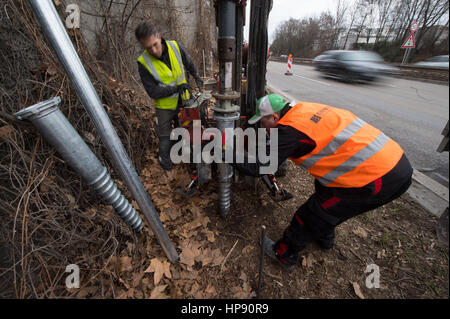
(412,113)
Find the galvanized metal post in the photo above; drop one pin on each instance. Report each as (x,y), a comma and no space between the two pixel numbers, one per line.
(261,261)
(257,53)
(225,113)
(46,14)
(58,132)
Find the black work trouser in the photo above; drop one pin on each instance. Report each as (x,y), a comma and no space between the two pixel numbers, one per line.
(166,120)
(331,206)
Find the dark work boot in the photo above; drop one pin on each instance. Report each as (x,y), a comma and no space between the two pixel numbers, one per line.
(327,242)
(280,253)
(164,153)
(282,169)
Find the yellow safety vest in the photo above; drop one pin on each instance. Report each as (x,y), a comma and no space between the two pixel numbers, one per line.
(162,74)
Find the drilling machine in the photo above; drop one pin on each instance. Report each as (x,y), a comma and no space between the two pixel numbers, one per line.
(235,96)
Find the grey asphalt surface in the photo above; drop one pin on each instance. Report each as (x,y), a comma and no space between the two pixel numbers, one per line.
(413,113)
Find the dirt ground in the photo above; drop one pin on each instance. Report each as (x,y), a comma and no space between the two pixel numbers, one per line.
(219,258)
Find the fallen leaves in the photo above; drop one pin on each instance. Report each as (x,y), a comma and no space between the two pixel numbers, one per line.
(169,214)
(199,220)
(190,251)
(247,249)
(71,200)
(5,132)
(122,264)
(159,268)
(158,292)
(84,292)
(360,232)
(213,257)
(381,254)
(206,257)
(308,261)
(45,185)
(209,235)
(244,292)
(211,290)
(243,276)
(357,290)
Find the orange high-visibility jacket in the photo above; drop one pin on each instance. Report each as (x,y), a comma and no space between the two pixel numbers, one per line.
(349,152)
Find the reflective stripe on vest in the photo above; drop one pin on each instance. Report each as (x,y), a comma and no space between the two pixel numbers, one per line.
(337,142)
(349,152)
(155,73)
(175,50)
(357,159)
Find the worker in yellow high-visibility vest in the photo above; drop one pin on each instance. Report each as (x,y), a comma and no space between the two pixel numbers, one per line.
(162,67)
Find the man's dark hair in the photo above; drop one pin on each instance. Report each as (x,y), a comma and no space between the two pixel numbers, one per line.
(144,30)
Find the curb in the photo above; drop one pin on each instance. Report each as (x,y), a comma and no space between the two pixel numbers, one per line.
(428,193)
(272,90)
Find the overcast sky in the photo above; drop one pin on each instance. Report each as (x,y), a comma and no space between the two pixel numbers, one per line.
(284,9)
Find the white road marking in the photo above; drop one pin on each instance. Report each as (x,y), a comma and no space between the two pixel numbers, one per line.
(312,80)
(282,93)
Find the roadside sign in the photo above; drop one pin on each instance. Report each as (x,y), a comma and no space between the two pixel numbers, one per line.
(409,43)
(414,27)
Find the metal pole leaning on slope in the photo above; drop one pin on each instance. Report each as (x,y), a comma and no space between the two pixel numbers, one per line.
(58,132)
(46,14)
(261,261)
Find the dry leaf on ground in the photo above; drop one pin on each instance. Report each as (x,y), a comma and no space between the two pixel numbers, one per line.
(84,292)
(205,257)
(357,289)
(243,276)
(173,213)
(159,268)
(217,257)
(244,292)
(308,261)
(361,232)
(190,251)
(209,235)
(122,264)
(247,249)
(158,292)
(211,290)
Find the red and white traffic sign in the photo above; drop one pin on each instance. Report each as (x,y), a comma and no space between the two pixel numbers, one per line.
(409,43)
(414,27)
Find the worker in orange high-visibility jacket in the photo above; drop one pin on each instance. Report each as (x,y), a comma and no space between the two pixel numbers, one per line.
(356,167)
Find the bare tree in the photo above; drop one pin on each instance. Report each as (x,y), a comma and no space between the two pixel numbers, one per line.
(365,7)
(340,18)
(388,22)
(384,7)
(353,14)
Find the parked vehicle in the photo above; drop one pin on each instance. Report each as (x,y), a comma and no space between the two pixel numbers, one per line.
(352,66)
(440,61)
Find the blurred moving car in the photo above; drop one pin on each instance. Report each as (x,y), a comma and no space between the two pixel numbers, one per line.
(440,61)
(283,56)
(317,61)
(352,66)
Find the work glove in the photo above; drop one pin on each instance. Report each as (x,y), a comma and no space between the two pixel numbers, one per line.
(182,88)
(199,83)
